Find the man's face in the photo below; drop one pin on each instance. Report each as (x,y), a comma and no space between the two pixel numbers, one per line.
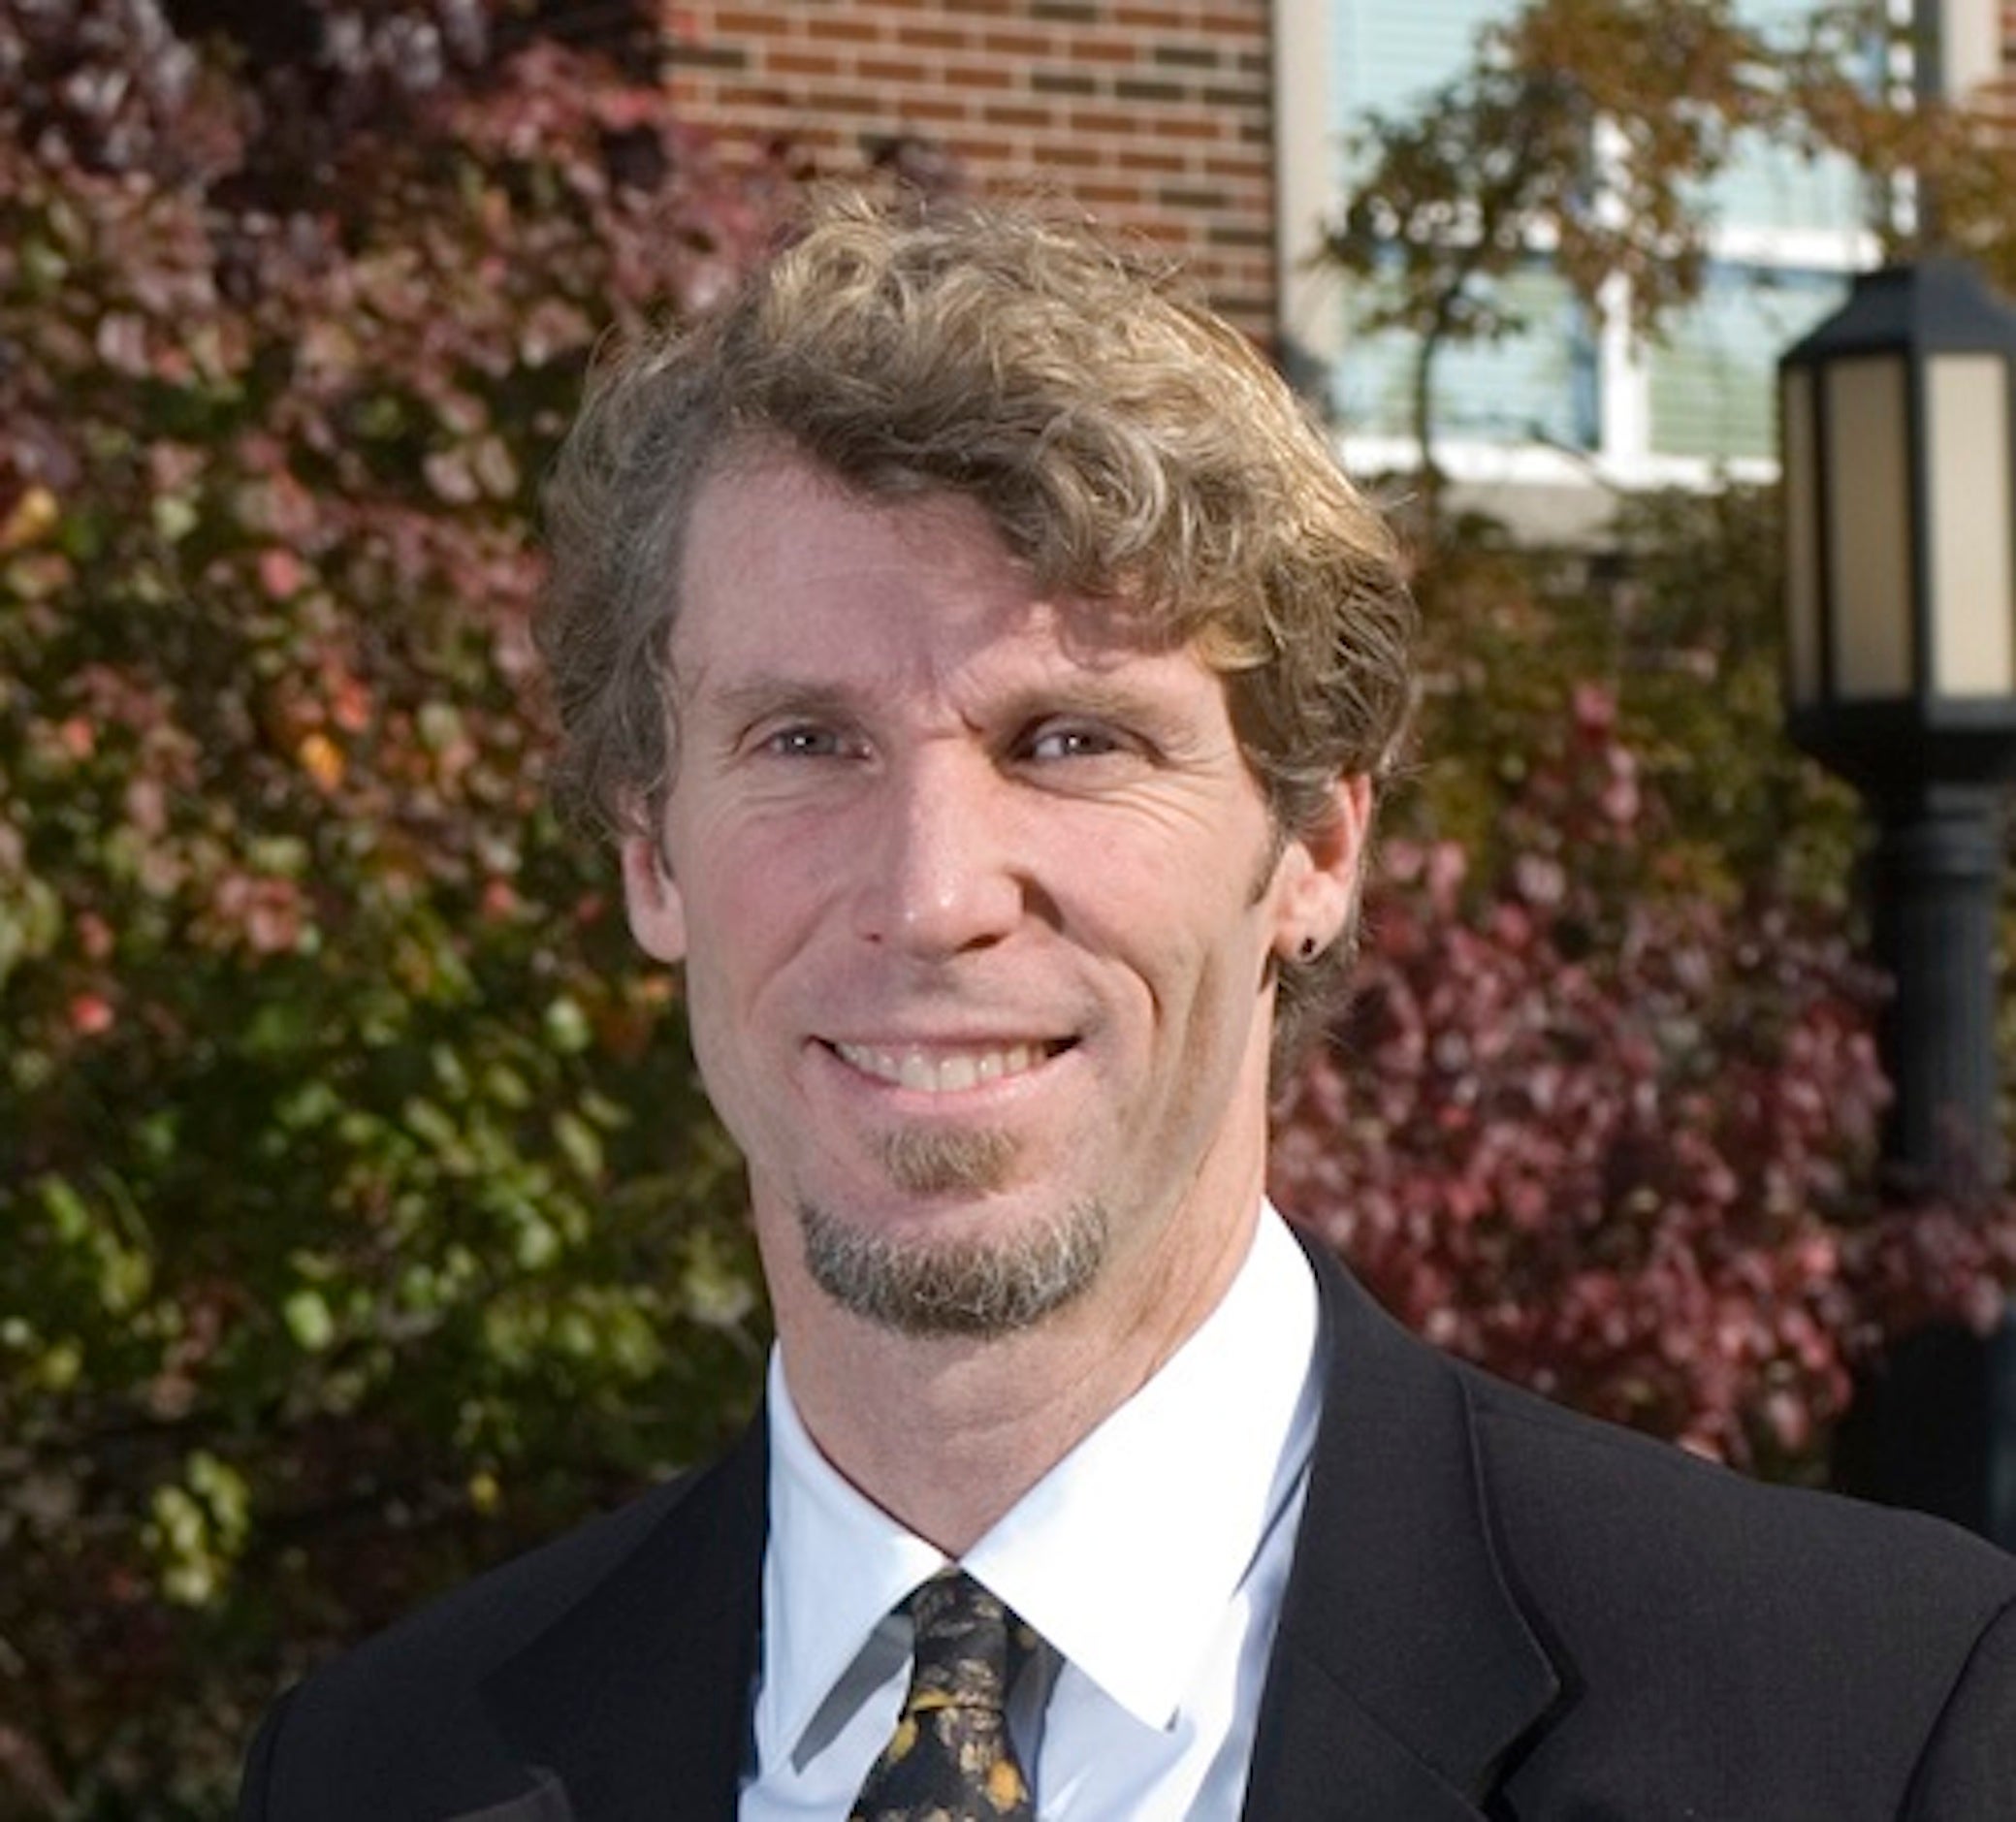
(978,905)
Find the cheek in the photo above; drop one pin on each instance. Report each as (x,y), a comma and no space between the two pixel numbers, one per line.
(743,896)
(735,1055)
(710,1024)
(754,922)
(1202,957)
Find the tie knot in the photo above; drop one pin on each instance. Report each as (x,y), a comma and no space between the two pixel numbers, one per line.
(969,1648)
(951,1758)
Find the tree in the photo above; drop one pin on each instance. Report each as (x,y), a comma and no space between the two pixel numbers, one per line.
(1587,133)
(364,1218)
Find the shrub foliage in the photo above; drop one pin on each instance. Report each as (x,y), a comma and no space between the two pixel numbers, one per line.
(1606,1115)
(362,1216)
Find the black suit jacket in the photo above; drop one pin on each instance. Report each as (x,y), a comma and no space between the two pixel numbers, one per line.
(1497,1609)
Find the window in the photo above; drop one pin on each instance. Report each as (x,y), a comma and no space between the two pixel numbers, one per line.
(1568,396)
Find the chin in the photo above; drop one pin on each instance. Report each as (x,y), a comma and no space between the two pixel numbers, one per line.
(982,1286)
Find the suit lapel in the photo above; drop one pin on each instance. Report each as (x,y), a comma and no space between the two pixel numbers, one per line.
(1404,1671)
(1402,1676)
(637,1702)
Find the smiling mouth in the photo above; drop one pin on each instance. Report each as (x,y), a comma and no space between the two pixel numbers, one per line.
(948,1068)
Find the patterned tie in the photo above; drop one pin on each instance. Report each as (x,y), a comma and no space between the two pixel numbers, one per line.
(950,1759)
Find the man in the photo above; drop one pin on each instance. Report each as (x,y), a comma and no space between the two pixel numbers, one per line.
(985,671)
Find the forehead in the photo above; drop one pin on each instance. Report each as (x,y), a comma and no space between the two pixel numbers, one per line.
(784,564)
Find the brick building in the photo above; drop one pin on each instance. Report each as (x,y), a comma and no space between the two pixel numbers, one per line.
(1156,115)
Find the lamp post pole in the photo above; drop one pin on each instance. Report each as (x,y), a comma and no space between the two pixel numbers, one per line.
(1899,422)
(1935,1427)
(1934,875)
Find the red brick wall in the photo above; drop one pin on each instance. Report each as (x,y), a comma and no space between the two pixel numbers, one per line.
(1155,116)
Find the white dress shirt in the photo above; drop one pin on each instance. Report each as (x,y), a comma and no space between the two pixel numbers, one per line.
(1151,1559)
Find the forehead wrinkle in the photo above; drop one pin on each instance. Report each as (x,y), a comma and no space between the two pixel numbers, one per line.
(857,695)
(1058,681)
(999,678)
(975,604)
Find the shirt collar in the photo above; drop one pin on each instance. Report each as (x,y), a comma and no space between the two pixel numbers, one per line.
(1125,1556)
(835,1565)
(1128,1554)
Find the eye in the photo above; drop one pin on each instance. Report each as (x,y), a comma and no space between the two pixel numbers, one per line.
(1053,741)
(807,740)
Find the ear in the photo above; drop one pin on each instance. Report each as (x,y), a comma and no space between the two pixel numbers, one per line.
(653,899)
(1320,873)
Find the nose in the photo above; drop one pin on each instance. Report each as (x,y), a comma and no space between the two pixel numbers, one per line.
(939,873)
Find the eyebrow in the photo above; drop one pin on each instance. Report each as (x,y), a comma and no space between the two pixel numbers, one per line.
(769,694)
(1102,699)
(758,697)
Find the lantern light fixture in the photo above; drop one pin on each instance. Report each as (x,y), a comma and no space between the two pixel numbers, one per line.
(1898,426)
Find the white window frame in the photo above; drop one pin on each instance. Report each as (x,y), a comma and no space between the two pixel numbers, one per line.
(1313,320)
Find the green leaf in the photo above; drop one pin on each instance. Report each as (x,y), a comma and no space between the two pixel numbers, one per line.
(309,1321)
(582,1144)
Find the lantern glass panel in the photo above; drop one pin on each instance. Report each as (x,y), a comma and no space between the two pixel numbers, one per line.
(1868,525)
(1973,578)
(1801,509)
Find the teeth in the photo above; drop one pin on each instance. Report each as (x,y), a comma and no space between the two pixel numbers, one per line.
(935,1072)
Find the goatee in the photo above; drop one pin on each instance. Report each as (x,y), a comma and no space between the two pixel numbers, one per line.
(976,1288)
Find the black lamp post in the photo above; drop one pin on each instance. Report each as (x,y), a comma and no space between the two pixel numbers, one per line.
(1897,419)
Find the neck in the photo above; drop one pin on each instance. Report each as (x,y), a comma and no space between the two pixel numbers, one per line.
(946,1435)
